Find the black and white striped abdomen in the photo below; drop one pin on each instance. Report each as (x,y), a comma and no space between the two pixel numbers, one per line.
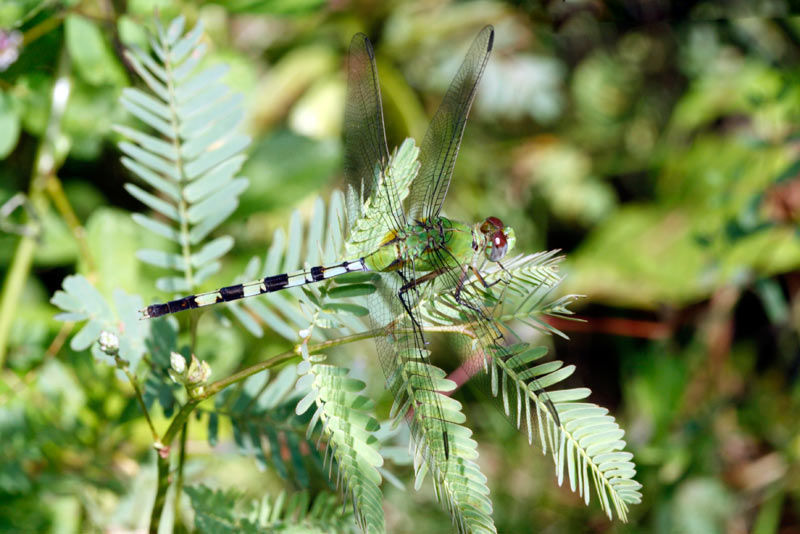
(256,287)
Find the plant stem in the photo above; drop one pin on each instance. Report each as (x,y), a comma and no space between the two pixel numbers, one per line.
(123,365)
(48,159)
(186,254)
(162,464)
(12,289)
(179,479)
(61,202)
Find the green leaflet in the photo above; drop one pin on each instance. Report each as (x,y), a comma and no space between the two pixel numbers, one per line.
(332,307)
(460,485)
(228,512)
(189,159)
(588,442)
(346,420)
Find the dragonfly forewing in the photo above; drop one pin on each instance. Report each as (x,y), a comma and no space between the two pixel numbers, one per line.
(440,146)
(365,152)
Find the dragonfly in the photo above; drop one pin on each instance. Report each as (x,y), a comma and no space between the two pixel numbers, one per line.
(419,251)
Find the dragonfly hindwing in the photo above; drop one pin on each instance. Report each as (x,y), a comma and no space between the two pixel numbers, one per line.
(376,216)
(457,480)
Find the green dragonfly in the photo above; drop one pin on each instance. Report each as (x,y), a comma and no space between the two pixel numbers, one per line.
(418,252)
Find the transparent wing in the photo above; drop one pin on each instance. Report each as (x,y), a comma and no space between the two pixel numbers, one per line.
(477,308)
(404,359)
(443,138)
(366,155)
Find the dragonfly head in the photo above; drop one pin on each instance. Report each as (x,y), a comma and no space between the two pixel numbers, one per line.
(499,238)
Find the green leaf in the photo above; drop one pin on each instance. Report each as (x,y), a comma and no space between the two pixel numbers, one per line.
(166,168)
(174,31)
(150,105)
(207,77)
(150,143)
(212,251)
(192,176)
(212,136)
(113,239)
(208,160)
(153,202)
(228,512)
(348,425)
(291,259)
(345,307)
(148,117)
(83,301)
(157,227)
(207,225)
(91,54)
(351,290)
(214,180)
(155,85)
(152,178)
(210,206)
(189,42)
(165,260)
(173,284)
(197,120)
(273,7)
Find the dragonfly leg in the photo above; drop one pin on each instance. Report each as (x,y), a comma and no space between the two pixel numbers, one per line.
(482,280)
(402,296)
(409,285)
(498,335)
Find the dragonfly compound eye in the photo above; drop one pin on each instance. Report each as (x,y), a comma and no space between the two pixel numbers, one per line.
(491,225)
(498,248)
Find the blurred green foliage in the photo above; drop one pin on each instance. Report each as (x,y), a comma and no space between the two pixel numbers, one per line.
(655,142)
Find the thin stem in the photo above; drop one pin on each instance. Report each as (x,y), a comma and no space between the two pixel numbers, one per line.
(215,387)
(59,340)
(179,478)
(162,465)
(186,251)
(42,28)
(61,202)
(48,159)
(123,365)
(12,289)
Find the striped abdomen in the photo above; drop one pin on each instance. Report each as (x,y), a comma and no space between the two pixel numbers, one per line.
(256,287)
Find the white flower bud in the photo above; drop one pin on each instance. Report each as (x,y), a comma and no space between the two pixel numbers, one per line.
(109,343)
(177,362)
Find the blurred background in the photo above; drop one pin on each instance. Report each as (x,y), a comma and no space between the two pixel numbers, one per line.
(655,143)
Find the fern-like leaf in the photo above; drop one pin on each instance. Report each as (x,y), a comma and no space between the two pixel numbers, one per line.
(344,416)
(190,160)
(223,512)
(586,440)
(457,479)
(261,413)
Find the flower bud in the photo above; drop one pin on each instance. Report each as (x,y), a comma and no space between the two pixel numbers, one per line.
(109,343)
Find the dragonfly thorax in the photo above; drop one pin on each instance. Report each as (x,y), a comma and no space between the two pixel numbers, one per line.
(427,244)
